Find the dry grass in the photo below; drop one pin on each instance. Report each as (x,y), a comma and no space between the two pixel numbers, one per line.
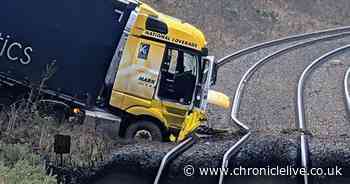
(23,124)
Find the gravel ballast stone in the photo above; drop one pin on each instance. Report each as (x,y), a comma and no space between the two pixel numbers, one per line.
(260,151)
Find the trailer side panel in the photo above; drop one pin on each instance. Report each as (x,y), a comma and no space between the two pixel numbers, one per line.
(78,36)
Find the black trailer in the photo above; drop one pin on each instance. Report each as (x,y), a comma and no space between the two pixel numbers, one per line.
(79,37)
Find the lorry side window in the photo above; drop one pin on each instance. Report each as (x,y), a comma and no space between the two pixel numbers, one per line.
(190,63)
(173,54)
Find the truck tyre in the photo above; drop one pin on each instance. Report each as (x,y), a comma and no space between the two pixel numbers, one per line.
(144,130)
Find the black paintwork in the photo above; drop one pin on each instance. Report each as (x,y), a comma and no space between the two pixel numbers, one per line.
(79,36)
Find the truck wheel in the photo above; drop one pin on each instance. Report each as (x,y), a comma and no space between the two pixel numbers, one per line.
(144,130)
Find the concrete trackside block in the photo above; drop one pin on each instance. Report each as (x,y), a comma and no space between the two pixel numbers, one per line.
(104,123)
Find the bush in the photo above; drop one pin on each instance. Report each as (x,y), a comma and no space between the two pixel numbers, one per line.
(23,172)
(10,154)
(18,165)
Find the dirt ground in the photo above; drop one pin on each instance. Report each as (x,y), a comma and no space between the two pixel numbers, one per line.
(233,24)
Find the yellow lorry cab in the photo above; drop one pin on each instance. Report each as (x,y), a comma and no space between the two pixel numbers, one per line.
(167,72)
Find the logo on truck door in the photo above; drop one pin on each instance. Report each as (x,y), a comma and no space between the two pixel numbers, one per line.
(143,51)
(14,51)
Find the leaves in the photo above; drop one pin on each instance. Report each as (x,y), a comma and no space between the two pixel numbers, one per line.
(18,165)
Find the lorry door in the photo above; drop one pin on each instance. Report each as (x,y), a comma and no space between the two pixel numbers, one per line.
(177,83)
(138,72)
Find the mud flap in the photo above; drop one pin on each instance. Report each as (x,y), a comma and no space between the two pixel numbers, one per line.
(192,121)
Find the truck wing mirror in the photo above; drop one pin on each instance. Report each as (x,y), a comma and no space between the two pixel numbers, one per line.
(215,74)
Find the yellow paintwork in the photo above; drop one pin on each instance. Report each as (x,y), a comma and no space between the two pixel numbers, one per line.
(179,32)
(154,111)
(138,97)
(219,99)
(192,121)
(132,68)
(138,106)
(124,101)
(174,113)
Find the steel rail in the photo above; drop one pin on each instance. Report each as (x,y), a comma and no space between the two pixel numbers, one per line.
(180,148)
(346,90)
(244,80)
(240,89)
(271,43)
(229,153)
(300,105)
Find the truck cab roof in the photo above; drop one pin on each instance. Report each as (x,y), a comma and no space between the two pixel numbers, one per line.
(155,25)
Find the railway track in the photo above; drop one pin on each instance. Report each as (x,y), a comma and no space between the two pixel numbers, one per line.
(302,41)
(183,146)
(245,79)
(221,62)
(346,90)
(300,103)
